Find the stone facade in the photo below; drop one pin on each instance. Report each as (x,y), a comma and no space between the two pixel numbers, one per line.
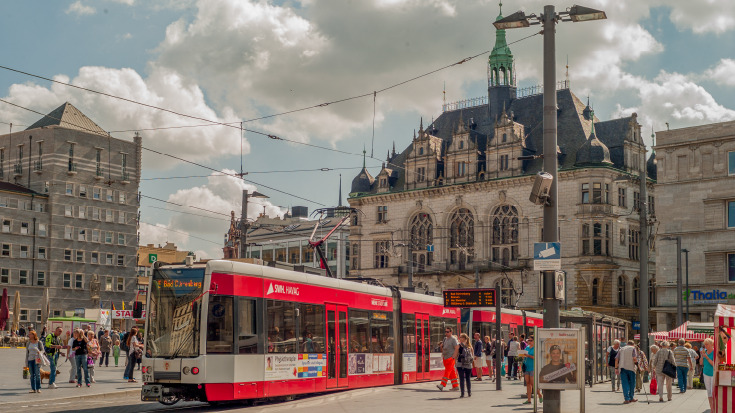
(83,186)
(452,209)
(696,201)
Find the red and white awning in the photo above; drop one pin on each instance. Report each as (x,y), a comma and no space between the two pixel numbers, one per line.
(656,335)
(683,332)
(724,393)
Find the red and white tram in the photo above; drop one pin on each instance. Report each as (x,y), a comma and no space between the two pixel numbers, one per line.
(235,331)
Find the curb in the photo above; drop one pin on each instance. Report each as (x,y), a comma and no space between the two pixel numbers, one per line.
(4,406)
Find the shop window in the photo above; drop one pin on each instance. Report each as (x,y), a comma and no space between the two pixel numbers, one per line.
(281,327)
(220,322)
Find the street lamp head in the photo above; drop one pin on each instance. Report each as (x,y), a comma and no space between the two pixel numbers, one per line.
(583,14)
(514,21)
(257,194)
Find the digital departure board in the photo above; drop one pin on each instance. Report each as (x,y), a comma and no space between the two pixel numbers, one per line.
(476,297)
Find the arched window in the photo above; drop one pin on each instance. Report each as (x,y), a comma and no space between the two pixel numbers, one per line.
(503,76)
(422,234)
(505,235)
(621,290)
(595,291)
(636,291)
(506,292)
(652,292)
(381,254)
(495,77)
(461,238)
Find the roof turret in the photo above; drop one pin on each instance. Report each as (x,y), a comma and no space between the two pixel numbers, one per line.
(593,152)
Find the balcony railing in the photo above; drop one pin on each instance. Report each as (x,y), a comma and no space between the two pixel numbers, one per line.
(18,169)
(38,166)
(125,177)
(72,168)
(595,209)
(98,173)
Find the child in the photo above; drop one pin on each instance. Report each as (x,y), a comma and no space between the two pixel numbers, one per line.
(116,351)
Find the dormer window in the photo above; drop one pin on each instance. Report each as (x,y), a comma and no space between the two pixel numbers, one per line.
(421,150)
(505,137)
(461,144)
(383,182)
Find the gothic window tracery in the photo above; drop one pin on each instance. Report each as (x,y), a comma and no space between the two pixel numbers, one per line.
(422,235)
(505,235)
(461,237)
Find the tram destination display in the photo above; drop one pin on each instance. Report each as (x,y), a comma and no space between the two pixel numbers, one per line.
(474,297)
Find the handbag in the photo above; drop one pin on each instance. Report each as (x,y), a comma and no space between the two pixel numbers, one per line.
(669,369)
(44,360)
(90,362)
(654,386)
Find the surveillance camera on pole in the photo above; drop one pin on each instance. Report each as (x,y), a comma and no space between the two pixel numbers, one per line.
(541,188)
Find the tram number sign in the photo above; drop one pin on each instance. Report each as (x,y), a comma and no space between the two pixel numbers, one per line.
(474,297)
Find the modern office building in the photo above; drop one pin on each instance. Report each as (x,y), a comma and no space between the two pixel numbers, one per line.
(695,196)
(69,211)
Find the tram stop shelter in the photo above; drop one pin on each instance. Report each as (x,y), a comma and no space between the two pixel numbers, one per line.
(600,330)
(71,323)
(724,380)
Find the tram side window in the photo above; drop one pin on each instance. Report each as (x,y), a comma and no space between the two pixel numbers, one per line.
(281,318)
(247,338)
(381,327)
(409,333)
(437,325)
(359,333)
(312,328)
(220,325)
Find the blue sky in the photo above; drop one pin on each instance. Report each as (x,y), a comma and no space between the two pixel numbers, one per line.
(230,60)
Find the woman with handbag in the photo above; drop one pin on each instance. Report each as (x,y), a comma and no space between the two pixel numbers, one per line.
(94,352)
(34,359)
(663,363)
(136,350)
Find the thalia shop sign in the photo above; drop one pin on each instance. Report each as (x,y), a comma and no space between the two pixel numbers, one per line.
(708,297)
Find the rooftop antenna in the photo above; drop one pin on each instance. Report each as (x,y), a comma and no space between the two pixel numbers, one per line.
(242,137)
(567,71)
(444,98)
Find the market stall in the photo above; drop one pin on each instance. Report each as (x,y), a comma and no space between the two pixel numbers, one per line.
(724,380)
(692,331)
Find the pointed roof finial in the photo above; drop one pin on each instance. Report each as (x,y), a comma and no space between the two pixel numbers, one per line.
(421,125)
(364,153)
(501,7)
(653,139)
(394,148)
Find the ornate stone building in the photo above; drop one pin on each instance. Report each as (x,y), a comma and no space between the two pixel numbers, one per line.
(452,208)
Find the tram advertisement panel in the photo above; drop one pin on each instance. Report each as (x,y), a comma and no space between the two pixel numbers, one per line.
(295,366)
(368,363)
(558,357)
(409,362)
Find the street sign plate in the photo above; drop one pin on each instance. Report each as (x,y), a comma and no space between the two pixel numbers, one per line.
(430,248)
(546,256)
(152,258)
(474,297)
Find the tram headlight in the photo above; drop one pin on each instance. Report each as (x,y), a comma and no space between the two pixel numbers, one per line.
(186,370)
(144,369)
(195,370)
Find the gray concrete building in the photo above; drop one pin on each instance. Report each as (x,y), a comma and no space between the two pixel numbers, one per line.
(695,194)
(69,207)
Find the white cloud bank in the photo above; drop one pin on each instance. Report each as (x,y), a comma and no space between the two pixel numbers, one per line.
(79,9)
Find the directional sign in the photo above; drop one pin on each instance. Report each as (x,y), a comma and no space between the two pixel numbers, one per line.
(476,297)
(429,248)
(636,325)
(152,258)
(546,256)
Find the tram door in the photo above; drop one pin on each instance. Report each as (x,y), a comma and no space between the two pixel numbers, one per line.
(423,347)
(337,345)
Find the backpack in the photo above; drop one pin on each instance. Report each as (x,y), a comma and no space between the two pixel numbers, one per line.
(465,354)
(124,343)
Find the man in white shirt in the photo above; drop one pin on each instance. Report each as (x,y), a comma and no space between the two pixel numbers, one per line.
(625,365)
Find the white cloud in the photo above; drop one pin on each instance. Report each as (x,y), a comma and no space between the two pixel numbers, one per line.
(221,194)
(708,16)
(80,9)
(723,73)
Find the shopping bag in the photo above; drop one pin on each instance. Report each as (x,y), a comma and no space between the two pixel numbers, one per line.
(654,386)
(44,360)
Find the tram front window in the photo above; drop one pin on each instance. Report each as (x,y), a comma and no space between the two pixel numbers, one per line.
(173,314)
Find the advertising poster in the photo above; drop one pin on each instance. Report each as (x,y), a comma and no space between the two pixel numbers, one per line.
(557,358)
(382,363)
(409,361)
(437,363)
(294,366)
(360,363)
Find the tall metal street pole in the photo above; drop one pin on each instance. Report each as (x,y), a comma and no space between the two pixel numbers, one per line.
(686,256)
(243,224)
(552,398)
(643,255)
(679,295)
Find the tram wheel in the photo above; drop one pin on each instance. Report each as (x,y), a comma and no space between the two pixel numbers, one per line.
(169,400)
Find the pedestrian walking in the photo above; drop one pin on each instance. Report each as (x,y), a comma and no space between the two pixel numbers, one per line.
(513,347)
(34,351)
(116,351)
(465,358)
(683,365)
(71,356)
(695,361)
(612,354)
(490,358)
(93,348)
(479,362)
(641,369)
(450,350)
(53,346)
(708,362)
(105,347)
(135,348)
(658,360)
(79,345)
(139,355)
(625,365)
(528,361)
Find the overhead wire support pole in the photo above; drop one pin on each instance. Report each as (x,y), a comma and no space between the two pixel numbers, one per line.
(643,256)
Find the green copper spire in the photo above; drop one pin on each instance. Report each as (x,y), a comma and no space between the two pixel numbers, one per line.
(500,68)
